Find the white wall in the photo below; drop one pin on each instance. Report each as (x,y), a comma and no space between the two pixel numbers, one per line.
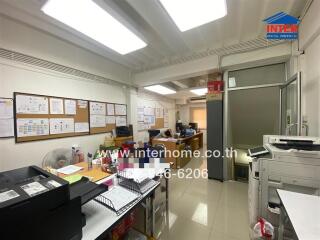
(15,77)
(22,38)
(145,99)
(184,111)
(308,64)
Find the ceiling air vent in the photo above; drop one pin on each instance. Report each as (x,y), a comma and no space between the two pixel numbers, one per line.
(33,61)
(200,99)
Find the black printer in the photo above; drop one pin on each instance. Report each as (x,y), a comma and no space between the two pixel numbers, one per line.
(35,204)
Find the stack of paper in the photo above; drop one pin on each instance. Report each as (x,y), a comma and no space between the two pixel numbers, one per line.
(73,178)
(140,174)
(69,169)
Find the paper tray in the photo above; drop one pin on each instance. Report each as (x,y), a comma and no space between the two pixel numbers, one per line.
(86,189)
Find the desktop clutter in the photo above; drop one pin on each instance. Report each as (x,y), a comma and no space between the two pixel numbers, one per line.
(186,138)
(50,202)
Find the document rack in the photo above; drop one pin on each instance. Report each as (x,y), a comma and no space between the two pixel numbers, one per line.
(108,203)
(139,187)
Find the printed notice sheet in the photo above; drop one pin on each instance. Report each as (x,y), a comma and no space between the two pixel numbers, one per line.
(6,127)
(140,110)
(149,111)
(82,104)
(97,121)
(56,106)
(141,126)
(27,127)
(70,107)
(110,119)
(121,121)
(69,169)
(161,113)
(140,117)
(97,108)
(6,118)
(32,104)
(150,120)
(6,108)
(120,109)
(81,127)
(110,109)
(61,125)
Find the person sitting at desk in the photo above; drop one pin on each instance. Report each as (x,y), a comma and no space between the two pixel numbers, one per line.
(168,133)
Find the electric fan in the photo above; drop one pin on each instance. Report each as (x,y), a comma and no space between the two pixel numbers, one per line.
(58,158)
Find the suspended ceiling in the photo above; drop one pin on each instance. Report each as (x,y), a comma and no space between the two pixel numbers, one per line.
(242,28)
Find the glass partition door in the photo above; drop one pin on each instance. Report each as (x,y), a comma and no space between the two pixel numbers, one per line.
(290,94)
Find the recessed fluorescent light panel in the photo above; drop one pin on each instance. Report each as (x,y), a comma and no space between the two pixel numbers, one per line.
(189,14)
(90,19)
(200,91)
(160,89)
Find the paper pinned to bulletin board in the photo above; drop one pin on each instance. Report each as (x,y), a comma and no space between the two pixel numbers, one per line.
(56,106)
(29,104)
(149,111)
(6,118)
(61,125)
(121,121)
(110,109)
(159,112)
(166,118)
(28,127)
(97,108)
(152,118)
(120,109)
(70,107)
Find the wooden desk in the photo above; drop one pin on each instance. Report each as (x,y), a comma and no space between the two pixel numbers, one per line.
(188,140)
(177,144)
(95,173)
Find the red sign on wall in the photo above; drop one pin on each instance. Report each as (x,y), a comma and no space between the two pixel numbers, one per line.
(215,87)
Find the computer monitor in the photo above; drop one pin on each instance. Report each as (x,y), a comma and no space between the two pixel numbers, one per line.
(153,132)
(193,126)
(179,127)
(123,131)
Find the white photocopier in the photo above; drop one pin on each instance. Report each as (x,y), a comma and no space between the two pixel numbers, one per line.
(293,163)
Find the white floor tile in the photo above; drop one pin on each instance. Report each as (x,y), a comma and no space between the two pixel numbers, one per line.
(206,209)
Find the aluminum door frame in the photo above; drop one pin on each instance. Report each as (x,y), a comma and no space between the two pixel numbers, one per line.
(295,77)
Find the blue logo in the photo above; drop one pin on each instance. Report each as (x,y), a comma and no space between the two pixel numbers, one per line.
(282,26)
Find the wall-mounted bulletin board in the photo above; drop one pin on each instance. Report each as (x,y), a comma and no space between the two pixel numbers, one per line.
(6,118)
(151,118)
(40,117)
(104,117)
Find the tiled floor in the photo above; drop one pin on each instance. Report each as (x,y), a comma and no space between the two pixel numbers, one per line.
(206,209)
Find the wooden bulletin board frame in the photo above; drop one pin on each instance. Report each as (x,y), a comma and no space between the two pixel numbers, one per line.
(109,127)
(13,116)
(82,115)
